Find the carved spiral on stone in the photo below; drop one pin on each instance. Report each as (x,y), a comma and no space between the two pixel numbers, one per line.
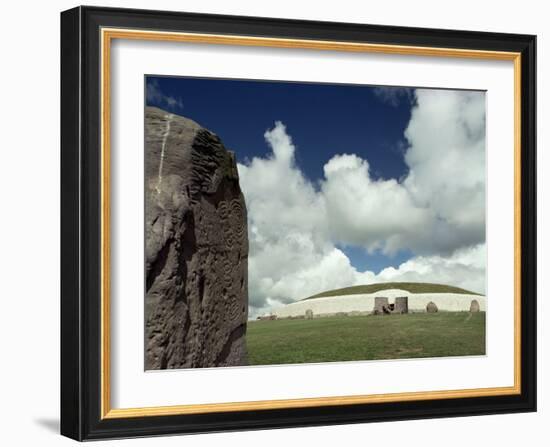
(233,308)
(223,210)
(229,237)
(227,271)
(237,219)
(224,213)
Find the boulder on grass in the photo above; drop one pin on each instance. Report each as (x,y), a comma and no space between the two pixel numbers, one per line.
(431,308)
(380,303)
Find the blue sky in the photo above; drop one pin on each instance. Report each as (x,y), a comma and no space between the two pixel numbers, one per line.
(347,184)
(323,119)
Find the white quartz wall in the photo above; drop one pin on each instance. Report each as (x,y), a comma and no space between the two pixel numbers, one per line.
(365,303)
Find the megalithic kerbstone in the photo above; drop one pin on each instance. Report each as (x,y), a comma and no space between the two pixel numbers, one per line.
(380,304)
(196,247)
(401,305)
(431,307)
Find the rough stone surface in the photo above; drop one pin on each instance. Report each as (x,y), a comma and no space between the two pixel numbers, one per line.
(474,306)
(309,314)
(196,248)
(431,307)
(381,305)
(401,305)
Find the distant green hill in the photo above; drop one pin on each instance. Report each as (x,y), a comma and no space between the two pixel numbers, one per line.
(412,287)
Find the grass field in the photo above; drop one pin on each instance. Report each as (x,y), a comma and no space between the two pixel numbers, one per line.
(337,339)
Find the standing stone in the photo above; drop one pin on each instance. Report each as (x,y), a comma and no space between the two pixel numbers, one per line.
(431,308)
(309,314)
(196,247)
(381,304)
(474,306)
(401,305)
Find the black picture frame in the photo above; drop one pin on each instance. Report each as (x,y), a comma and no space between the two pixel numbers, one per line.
(81,208)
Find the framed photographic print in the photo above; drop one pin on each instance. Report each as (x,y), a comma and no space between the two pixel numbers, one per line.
(276,223)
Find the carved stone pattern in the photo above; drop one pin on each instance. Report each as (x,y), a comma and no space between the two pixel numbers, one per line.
(196,303)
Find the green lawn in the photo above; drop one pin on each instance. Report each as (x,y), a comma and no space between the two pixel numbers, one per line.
(339,339)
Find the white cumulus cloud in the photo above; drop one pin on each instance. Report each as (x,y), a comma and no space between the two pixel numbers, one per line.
(464,268)
(437,210)
(366,212)
(446,158)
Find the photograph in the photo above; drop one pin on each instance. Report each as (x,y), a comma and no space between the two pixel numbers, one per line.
(272,222)
(305,222)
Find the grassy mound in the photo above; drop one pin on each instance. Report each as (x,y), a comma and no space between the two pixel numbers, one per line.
(338,339)
(412,287)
